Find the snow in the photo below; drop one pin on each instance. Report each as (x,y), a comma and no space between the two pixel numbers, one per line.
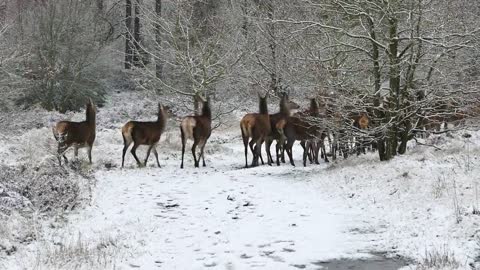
(226,217)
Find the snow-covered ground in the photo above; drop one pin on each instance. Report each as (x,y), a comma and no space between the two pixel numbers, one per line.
(227,217)
(418,206)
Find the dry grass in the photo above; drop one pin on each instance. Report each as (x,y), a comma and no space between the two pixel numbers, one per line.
(78,253)
(439,259)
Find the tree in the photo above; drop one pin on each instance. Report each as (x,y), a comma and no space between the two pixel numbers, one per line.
(393,48)
(61,40)
(195,58)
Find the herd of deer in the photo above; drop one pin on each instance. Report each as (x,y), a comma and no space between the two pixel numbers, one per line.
(257,128)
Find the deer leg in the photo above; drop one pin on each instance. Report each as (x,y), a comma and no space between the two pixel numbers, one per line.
(306,151)
(303,143)
(257,153)
(61,153)
(148,154)
(125,148)
(288,148)
(184,141)
(268,144)
(313,151)
(252,142)
(279,150)
(89,153)
(134,148)
(245,144)
(75,151)
(156,156)
(282,149)
(194,147)
(269,155)
(202,154)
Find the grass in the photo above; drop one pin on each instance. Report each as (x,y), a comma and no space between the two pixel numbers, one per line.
(439,259)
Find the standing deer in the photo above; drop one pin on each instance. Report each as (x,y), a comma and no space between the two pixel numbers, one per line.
(311,135)
(144,133)
(277,123)
(256,126)
(76,134)
(197,128)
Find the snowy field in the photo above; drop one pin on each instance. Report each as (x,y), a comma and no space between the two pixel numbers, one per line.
(422,206)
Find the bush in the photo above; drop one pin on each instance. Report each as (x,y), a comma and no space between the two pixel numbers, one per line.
(62,40)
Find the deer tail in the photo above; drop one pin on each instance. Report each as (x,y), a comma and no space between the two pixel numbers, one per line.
(246,129)
(127,133)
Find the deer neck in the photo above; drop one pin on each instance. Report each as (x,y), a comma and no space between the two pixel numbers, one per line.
(263,106)
(162,119)
(206,111)
(91,118)
(284,110)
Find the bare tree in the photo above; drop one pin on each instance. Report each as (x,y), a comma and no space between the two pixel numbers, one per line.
(198,58)
(393,52)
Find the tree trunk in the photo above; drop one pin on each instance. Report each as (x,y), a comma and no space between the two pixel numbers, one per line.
(158,39)
(394,83)
(244,7)
(100,6)
(274,77)
(137,57)
(379,114)
(128,35)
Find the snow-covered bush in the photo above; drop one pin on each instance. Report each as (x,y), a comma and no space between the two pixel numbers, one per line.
(64,39)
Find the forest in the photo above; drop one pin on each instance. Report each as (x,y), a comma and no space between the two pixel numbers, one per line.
(375,103)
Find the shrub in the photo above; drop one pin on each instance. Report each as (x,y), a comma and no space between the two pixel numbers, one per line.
(62,40)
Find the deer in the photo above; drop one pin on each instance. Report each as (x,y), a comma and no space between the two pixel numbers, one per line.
(76,134)
(314,111)
(144,133)
(197,128)
(277,123)
(256,126)
(360,121)
(300,128)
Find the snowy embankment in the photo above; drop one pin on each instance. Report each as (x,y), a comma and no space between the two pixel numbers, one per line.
(419,206)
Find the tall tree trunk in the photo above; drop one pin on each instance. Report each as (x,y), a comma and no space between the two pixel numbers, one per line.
(394,83)
(100,6)
(137,56)
(244,7)
(3,13)
(128,35)
(158,40)
(379,114)
(274,77)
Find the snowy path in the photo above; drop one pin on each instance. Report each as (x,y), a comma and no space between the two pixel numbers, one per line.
(218,218)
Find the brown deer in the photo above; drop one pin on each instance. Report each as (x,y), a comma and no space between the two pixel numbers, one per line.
(360,121)
(257,127)
(197,128)
(300,128)
(277,123)
(76,134)
(144,133)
